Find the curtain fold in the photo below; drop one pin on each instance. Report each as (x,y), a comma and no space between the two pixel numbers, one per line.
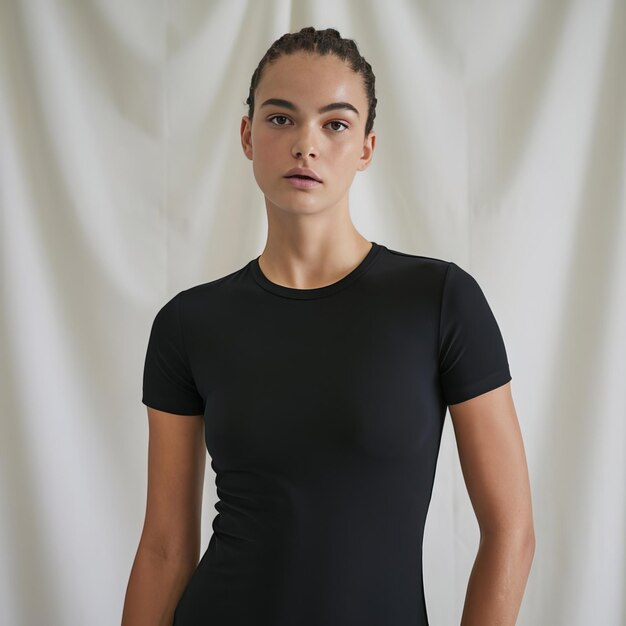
(501,139)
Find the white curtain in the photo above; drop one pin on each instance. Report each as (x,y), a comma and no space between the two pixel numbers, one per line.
(501,139)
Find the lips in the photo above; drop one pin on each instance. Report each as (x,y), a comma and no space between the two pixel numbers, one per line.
(302,182)
(304,173)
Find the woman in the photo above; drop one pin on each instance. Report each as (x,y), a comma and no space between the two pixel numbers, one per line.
(319,376)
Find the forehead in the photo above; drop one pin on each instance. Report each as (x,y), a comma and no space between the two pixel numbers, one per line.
(310,78)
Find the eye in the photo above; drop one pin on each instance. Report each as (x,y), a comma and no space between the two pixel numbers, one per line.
(274,117)
(338,122)
(271,119)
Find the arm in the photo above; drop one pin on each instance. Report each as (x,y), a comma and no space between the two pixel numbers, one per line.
(169,547)
(491,452)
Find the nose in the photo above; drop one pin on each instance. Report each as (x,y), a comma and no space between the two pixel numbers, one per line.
(304,146)
(311,152)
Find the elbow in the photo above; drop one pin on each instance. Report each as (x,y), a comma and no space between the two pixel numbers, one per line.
(530,543)
(525,548)
(526,544)
(519,538)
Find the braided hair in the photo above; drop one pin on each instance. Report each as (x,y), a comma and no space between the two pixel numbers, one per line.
(322,42)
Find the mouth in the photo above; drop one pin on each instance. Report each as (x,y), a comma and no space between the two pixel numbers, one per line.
(303,177)
(302,182)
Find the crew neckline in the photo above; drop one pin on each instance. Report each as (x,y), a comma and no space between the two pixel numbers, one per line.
(315,292)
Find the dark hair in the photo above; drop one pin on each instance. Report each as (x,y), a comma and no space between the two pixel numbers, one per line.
(327,41)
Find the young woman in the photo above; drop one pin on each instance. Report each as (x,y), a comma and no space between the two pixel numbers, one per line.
(318,377)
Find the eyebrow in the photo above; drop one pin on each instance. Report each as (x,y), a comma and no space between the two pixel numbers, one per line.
(286,104)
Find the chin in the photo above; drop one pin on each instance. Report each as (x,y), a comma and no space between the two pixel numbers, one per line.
(293,207)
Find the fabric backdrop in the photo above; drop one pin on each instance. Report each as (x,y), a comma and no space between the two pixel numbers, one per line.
(501,137)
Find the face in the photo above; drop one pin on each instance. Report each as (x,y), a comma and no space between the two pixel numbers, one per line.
(331,143)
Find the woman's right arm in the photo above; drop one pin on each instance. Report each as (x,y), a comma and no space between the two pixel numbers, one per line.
(169,547)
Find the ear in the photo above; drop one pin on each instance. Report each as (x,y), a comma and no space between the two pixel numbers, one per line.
(245,131)
(368,151)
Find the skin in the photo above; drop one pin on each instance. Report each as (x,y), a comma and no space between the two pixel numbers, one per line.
(311,239)
(311,243)
(493,463)
(169,547)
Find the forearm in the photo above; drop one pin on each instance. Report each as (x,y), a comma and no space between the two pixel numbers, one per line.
(498,579)
(154,588)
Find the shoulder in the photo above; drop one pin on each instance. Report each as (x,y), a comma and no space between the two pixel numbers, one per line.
(416,262)
(198,297)
(216,284)
(418,259)
(428,273)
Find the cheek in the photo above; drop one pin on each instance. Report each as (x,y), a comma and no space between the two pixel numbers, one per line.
(268,149)
(349,151)
(264,154)
(345,160)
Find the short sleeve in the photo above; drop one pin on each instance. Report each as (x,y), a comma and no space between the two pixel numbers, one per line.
(472,354)
(168,384)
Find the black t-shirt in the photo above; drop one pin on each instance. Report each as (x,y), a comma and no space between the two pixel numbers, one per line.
(323,412)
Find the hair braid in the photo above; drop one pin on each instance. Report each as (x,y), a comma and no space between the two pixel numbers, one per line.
(323,42)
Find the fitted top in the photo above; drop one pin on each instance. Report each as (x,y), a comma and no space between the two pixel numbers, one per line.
(323,411)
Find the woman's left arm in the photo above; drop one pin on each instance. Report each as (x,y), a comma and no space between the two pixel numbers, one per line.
(493,462)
